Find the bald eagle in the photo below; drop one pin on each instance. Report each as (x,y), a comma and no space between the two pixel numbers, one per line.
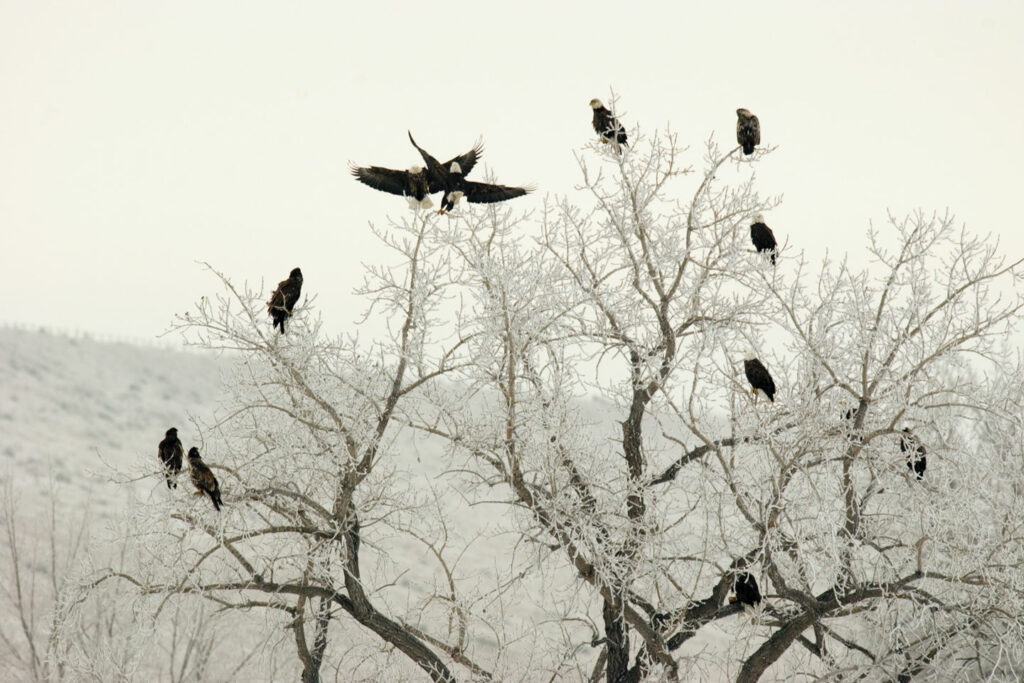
(915,453)
(748,130)
(763,237)
(606,125)
(450,178)
(759,378)
(203,478)
(747,593)
(284,298)
(412,184)
(170,452)
(850,418)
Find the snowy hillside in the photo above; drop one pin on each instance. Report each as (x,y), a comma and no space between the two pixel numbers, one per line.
(71,405)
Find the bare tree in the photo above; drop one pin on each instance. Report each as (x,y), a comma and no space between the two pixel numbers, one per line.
(58,626)
(449,490)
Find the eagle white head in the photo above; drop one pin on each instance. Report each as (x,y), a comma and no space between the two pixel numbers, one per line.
(759,218)
(596,104)
(415,169)
(748,354)
(455,168)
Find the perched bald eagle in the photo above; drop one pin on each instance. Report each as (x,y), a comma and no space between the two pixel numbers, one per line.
(747,593)
(759,378)
(763,237)
(450,178)
(850,418)
(748,130)
(284,298)
(915,453)
(171,452)
(203,478)
(606,125)
(412,184)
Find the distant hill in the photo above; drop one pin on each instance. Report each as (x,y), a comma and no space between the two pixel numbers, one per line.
(69,405)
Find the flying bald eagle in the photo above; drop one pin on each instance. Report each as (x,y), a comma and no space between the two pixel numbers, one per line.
(412,184)
(759,378)
(746,590)
(915,453)
(748,130)
(171,452)
(284,298)
(203,478)
(763,237)
(606,125)
(450,178)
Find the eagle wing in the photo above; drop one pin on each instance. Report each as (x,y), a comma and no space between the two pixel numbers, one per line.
(748,129)
(608,127)
(290,290)
(468,160)
(759,377)
(169,451)
(202,477)
(436,173)
(277,299)
(383,179)
(485,193)
(762,236)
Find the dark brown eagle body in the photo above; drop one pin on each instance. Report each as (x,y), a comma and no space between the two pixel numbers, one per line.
(748,130)
(915,452)
(450,179)
(606,125)
(203,478)
(171,453)
(284,298)
(747,593)
(759,378)
(763,238)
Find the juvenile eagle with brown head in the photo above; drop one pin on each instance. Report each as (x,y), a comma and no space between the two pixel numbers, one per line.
(203,478)
(170,452)
(284,298)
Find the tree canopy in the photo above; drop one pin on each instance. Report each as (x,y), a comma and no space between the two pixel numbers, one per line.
(547,462)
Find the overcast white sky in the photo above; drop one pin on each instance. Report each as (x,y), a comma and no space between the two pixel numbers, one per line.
(139,138)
